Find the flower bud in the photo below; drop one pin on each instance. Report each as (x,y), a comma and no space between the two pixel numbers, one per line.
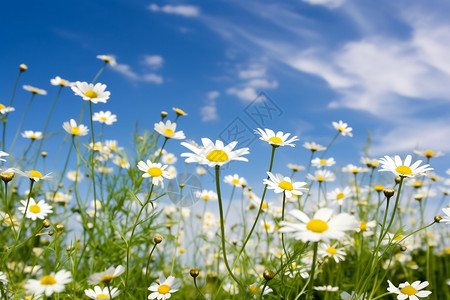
(158,239)
(437,219)
(7,177)
(46,223)
(59,227)
(194,272)
(44,153)
(269,274)
(388,192)
(23,67)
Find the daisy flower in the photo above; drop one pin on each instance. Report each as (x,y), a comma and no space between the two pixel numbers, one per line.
(104,117)
(34,90)
(406,291)
(111,145)
(49,284)
(276,140)
(295,167)
(206,195)
(169,158)
(403,168)
(35,175)
(6,109)
(343,128)
(214,154)
(338,195)
(168,130)
(327,251)
(322,227)
(447,218)
(154,170)
(107,276)
(326,288)
(366,226)
(108,59)
(314,147)
(235,180)
(3,278)
(90,92)
(121,162)
(281,184)
(2,153)
(74,129)
(322,162)
(74,176)
(200,171)
(179,111)
(428,153)
(33,135)
(36,210)
(321,176)
(370,162)
(268,226)
(59,81)
(164,289)
(354,169)
(99,293)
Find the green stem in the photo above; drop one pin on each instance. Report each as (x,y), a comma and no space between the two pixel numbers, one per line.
(92,167)
(331,143)
(10,104)
(147,267)
(313,269)
(21,121)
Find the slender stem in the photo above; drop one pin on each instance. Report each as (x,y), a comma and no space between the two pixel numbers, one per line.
(222,226)
(331,143)
(198,290)
(99,72)
(92,167)
(262,290)
(10,104)
(21,121)
(147,267)
(313,269)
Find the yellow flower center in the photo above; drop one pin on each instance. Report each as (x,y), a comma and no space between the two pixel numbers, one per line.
(398,238)
(266,226)
(102,296)
(154,172)
(264,206)
(91,94)
(363,226)
(354,171)
(34,173)
(48,280)
(379,188)
(206,197)
(331,250)
(253,289)
(275,140)
(107,278)
(316,225)
(104,118)
(217,156)
(235,181)
(33,137)
(285,185)
(408,290)
(341,129)
(323,161)
(320,178)
(2,106)
(75,130)
(35,209)
(404,170)
(340,196)
(168,131)
(279,254)
(429,153)
(62,82)
(163,289)
(418,183)
(179,111)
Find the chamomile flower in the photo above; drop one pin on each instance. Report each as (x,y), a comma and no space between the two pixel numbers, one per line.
(58,197)
(322,227)
(214,154)
(99,293)
(331,251)
(268,226)
(326,288)
(108,59)
(35,175)
(206,195)
(406,291)
(164,289)
(447,218)
(235,180)
(354,169)
(121,162)
(36,210)
(168,130)
(314,147)
(339,195)
(6,109)
(154,170)
(281,184)
(370,162)
(295,168)
(105,117)
(49,284)
(343,128)
(322,162)
(32,135)
(59,81)
(276,140)
(169,158)
(428,153)
(107,276)
(403,168)
(365,227)
(179,111)
(74,176)
(90,92)
(321,176)
(34,90)
(72,128)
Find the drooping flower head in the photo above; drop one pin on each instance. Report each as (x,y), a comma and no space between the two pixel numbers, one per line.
(34,90)
(108,59)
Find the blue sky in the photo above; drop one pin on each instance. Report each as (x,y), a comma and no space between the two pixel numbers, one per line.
(382,66)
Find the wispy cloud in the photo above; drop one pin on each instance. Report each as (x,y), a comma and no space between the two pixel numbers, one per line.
(327,3)
(153,61)
(209,111)
(181,10)
(148,77)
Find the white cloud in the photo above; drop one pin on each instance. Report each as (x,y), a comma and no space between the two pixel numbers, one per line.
(126,71)
(154,61)
(327,3)
(262,83)
(246,93)
(254,72)
(209,111)
(181,10)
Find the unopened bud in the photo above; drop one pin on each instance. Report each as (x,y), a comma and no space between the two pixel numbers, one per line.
(46,223)
(194,272)
(7,177)
(269,274)
(388,192)
(398,179)
(50,233)
(59,227)
(403,248)
(164,114)
(437,219)
(157,239)
(60,185)
(23,67)
(44,153)
(181,185)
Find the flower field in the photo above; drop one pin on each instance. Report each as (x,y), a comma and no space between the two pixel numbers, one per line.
(103,221)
